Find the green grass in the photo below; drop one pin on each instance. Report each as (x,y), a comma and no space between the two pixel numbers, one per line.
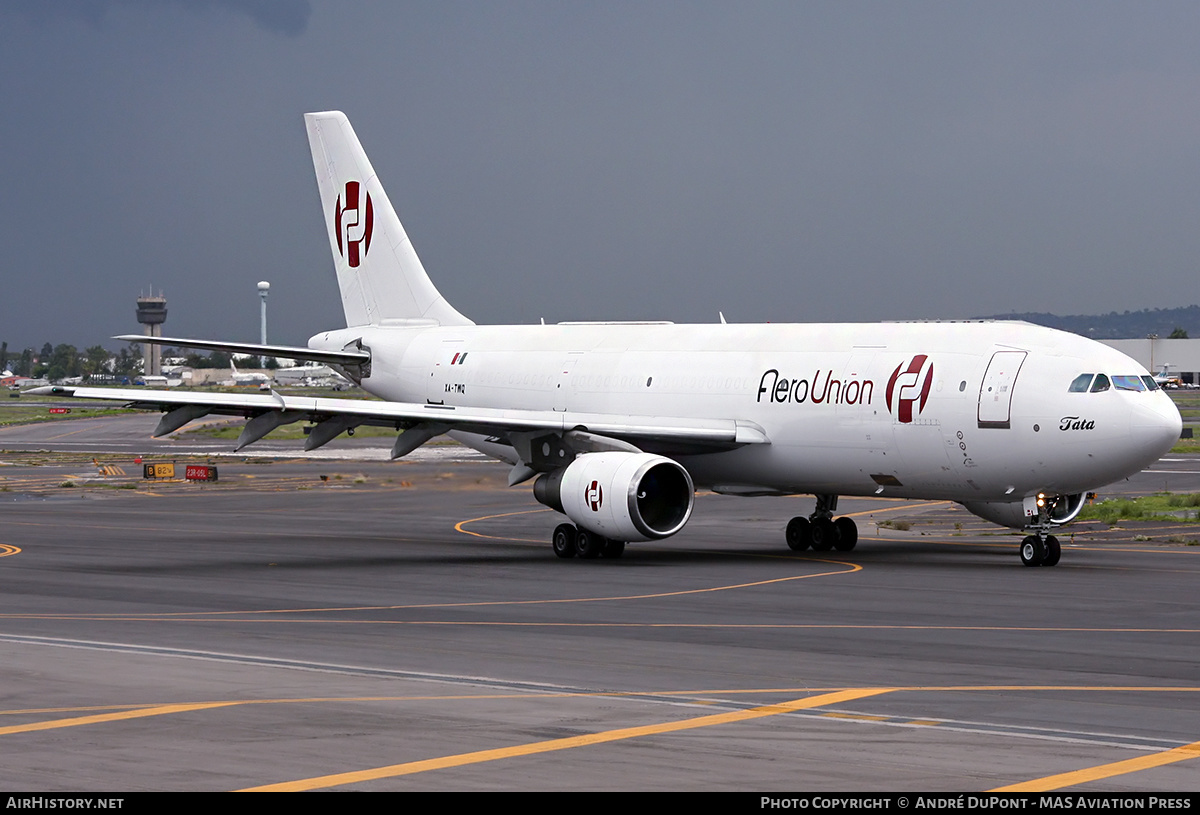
(14,411)
(1187,446)
(14,414)
(1161,506)
(292,432)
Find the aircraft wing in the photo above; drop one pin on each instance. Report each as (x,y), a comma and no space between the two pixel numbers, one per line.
(420,422)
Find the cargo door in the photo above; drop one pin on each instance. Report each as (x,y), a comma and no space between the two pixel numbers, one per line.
(445,377)
(562,388)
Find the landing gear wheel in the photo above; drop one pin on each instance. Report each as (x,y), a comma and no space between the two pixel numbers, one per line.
(798,534)
(589,544)
(1053,551)
(824,535)
(1033,552)
(612,549)
(564,541)
(847,534)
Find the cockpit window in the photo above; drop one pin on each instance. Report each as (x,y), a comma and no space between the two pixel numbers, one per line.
(1128,383)
(1097,383)
(1080,385)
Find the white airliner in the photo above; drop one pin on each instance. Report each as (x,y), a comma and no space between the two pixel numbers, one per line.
(621,422)
(253,378)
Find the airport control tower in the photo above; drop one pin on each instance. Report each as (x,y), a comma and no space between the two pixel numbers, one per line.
(152,313)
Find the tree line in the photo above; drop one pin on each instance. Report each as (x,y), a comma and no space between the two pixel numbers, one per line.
(64,361)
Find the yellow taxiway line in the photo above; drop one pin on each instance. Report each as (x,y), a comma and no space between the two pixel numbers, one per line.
(1129,765)
(534,748)
(140,713)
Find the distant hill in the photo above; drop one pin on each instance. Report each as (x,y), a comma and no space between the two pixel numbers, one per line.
(1118,325)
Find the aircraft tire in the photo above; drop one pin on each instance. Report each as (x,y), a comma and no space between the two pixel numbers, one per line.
(1053,551)
(824,535)
(798,534)
(1032,551)
(612,549)
(847,536)
(564,541)
(588,544)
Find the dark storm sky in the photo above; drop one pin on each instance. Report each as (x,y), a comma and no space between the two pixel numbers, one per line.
(799,161)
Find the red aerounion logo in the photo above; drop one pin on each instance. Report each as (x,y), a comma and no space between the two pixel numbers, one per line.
(354,225)
(909,387)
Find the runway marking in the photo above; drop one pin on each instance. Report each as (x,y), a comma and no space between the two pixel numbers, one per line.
(861,717)
(1130,765)
(956,540)
(257,616)
(897,508)
(73,432)
(74,709)
(140,713)
(7,549)
(535,748)
(250,615)
(826,697)
(458,527)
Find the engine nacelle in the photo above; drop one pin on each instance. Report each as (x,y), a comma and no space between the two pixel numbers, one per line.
(1063,510)
(622,496)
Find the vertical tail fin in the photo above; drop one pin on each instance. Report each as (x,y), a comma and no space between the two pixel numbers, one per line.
(379,274)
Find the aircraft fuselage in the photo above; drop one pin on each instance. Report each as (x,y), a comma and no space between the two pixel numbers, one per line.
(978,411)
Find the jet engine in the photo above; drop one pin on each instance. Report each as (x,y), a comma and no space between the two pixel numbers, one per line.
(621,496)
(1063,510)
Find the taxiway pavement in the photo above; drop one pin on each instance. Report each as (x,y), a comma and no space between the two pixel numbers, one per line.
(404,625)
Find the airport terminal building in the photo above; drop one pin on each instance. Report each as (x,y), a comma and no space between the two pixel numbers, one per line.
(1182,357)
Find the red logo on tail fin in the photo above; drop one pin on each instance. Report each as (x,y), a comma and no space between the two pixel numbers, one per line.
(354,224)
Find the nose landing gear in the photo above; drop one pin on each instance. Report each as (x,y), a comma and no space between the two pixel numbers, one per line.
(1041,548)
(1036,551)
(821,530)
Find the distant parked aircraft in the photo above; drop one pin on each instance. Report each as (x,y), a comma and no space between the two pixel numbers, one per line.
(1165,379)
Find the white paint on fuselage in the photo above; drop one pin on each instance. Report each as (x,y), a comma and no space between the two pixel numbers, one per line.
(818,391)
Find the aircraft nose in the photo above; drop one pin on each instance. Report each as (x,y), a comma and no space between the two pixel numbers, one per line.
(1156,425)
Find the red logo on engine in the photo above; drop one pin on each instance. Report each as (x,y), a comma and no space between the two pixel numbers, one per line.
(909,386)
(354,226)
(593,496)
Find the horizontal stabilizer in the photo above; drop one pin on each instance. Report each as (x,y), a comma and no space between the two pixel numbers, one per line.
(344,357)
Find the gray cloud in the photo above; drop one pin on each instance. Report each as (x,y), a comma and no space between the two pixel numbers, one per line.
(288,17)
(849,161)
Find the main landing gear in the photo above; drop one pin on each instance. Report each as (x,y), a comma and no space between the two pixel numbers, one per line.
(569,542)
(821,530)
(1038,552)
